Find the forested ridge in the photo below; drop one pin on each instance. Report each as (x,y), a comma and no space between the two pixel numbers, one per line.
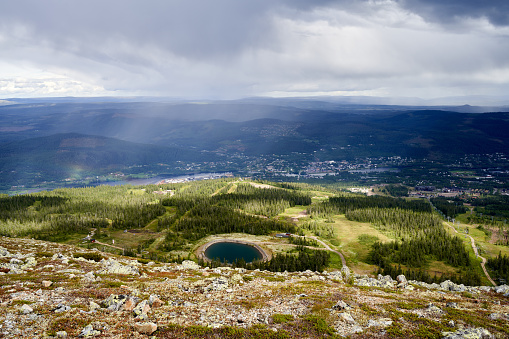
(195,210)
(418,233)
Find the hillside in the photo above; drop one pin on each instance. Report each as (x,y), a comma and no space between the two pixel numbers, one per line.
(320,248)
(75,156)
(267,138)
(52,290)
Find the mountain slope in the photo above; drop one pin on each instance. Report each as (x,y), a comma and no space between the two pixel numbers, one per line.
(66,155)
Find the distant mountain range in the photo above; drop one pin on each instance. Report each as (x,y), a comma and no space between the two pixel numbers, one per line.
(46,138)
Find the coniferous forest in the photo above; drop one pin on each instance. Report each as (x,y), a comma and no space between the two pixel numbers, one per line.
(167,221)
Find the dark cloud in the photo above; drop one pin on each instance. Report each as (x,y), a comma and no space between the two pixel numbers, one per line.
(199,47)
(450,11)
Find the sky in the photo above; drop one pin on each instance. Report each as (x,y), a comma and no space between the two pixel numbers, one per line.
(228,49)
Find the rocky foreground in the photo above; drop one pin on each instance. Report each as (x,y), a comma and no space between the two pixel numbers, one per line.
(52,290)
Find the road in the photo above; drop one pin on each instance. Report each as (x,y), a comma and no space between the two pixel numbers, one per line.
(483,263)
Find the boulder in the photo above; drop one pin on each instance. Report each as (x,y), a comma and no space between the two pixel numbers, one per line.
(434,309)
(189,264)
(88,332)
(46,283)
(114,302)
(89,277)
(93,306)
(25,309)
(347,317)
(141,309)
(341,305)
(155,302)
(401,279)
(470,333)
(61,308)
(145,328)
(4,252)
(218,284)
(112,266)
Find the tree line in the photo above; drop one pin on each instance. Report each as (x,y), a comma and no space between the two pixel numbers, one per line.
(305,259)
(342,204)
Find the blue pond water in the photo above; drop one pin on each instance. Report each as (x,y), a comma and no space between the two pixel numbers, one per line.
(230,251)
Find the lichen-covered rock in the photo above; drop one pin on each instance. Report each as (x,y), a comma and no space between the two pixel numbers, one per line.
(218,284)
(236,278)
(88,332)
(189,264)
(341,305)
(112,266)
(93,306)
(345,316)
(61,308)
(29,263)
(434,309)
(141,309)
(145,328)
(89,277)
(4,252)
(114,301)
(154,301)
(470,333)
(502,289)
(25,309)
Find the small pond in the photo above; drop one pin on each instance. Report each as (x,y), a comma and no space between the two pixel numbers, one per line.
(231,251)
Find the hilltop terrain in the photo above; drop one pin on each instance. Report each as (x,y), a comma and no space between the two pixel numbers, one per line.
(53,290)
(337,263)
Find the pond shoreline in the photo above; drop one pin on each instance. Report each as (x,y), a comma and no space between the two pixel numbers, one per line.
(200,252)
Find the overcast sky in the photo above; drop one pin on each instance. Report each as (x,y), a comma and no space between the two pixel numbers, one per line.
(238,48)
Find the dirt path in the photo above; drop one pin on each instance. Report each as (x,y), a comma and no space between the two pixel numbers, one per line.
(483,263)
(343,261)
(113,246)
(326,247)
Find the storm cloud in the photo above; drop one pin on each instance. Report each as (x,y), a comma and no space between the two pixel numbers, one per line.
(231,48)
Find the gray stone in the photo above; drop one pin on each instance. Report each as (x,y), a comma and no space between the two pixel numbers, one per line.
(341,305)
(25,309)
(188,264)
(218,284)
(114,302)
(470,333)
(145,328)
(89,331)
(94,306)
(89,276)
(401,279)
(15,261)
(4,252)
(502,289)
(112,266)
(434,309)
(451,305)
(141,309)
(373,323)
(347,317)
(61,308)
